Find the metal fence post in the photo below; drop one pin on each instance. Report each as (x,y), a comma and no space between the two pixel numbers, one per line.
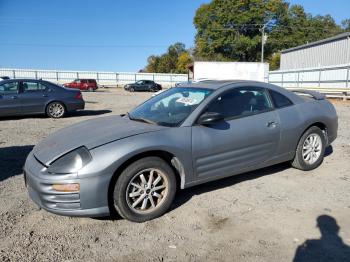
(135,77)
(97,77)
(36,74)
(282,78)
(117,79)
(57,76)
(319,77)
(77,75)
(347,76)
(298,84)
(14,73)
(171,80)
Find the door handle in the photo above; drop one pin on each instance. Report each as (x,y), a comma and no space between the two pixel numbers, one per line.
(45,95)
(14,97)
(272,124)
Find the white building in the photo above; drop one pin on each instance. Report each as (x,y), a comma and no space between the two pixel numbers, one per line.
(326,52)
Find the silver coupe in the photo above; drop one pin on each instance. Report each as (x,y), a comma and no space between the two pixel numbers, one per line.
(133,164)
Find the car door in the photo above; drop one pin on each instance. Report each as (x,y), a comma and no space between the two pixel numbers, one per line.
(142,86)
(33,96)
(248,135)
(149,85)
(9,102)
(75,84)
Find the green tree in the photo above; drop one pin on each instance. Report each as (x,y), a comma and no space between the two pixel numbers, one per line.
(230,30)
(182,63)
(346,25)
(274,61)
(175,60)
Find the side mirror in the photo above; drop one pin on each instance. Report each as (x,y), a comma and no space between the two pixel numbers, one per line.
(210,118)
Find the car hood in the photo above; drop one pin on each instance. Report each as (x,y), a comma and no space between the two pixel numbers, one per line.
(91,134)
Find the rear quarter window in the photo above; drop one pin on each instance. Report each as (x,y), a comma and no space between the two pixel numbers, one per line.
(280,100)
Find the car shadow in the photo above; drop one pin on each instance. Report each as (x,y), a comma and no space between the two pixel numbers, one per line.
(88,113)
(12,160)
(328,151)
(185,195)
(69,114)
(329,247)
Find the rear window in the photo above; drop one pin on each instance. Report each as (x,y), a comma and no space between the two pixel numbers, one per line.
(279,100)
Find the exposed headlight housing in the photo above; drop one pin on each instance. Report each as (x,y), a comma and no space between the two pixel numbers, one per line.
(71,162)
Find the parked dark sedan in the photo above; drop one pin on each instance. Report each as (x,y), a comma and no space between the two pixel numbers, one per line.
(185,136)
(143,85)
(29,96)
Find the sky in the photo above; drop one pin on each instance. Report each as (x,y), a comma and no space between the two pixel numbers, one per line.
(105,35)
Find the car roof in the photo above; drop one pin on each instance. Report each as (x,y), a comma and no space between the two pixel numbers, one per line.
(25,79)
(216,84)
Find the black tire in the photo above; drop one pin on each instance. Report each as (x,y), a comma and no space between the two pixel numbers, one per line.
(132,89)
(122,198)
(51,112)
(299,162)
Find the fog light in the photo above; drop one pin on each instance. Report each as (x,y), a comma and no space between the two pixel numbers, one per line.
(66,187)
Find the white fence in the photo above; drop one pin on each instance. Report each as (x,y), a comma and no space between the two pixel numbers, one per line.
(333,81)
(103,78)
(336,77)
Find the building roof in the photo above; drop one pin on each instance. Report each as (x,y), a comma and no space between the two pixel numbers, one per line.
(323,41)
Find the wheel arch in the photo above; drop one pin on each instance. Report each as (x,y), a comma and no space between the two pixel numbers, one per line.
(55,100)
(168,157)
(321,125)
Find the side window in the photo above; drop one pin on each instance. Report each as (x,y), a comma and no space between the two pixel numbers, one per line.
(32,86)
(279,100)
(242,101)
(9,88)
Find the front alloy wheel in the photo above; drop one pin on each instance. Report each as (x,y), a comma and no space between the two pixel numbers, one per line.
(147,190)
(144,190)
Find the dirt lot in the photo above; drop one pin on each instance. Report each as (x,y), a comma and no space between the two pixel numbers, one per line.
(260,216)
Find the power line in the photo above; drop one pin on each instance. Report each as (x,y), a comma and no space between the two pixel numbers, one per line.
(83,46)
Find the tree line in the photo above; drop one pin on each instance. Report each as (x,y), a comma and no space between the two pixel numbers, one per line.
(231,30)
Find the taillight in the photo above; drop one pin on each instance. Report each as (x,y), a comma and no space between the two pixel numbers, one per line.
(78,96)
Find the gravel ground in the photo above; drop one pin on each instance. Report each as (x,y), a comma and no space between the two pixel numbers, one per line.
(259,216)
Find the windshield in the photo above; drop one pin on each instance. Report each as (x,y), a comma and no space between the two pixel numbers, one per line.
(170,108)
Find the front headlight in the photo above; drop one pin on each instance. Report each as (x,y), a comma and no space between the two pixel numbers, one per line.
(71,162)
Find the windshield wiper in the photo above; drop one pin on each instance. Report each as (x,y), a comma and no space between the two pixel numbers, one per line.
(141,119)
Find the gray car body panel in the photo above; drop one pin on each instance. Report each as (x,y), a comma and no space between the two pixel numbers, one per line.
(235,148)
(29,103)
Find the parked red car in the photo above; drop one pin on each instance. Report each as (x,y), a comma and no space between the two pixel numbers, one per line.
(83,84)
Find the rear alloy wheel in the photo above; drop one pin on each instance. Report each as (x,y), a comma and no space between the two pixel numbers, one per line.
(132,89)
(310,150)
(91,89)
(55,110)
(145,190)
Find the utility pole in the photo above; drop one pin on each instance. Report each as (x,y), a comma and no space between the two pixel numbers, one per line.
(263,41)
